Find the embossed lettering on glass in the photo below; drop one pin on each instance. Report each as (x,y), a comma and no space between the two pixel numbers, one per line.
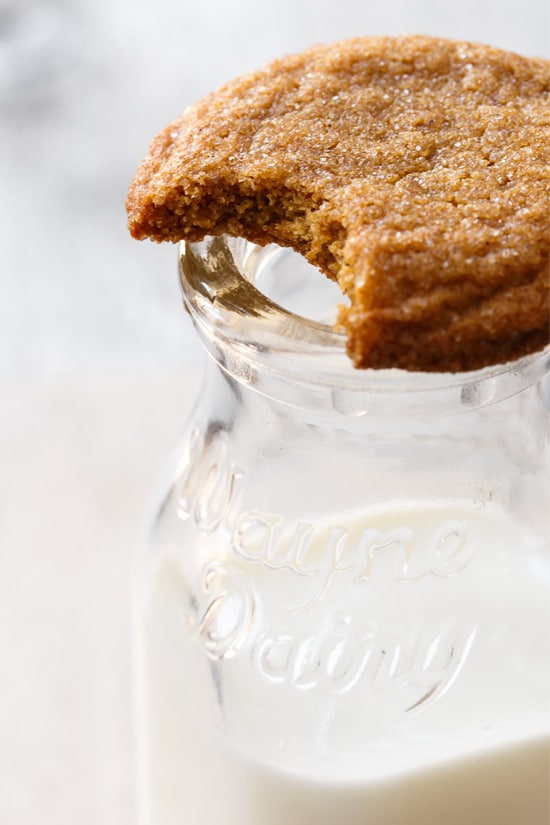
(343,609)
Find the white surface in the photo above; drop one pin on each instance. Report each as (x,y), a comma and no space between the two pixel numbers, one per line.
(97,361)
(78,463)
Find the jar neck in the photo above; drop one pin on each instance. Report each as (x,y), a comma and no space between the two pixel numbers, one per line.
(236,293)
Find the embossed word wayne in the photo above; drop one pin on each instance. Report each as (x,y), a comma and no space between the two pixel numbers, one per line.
(400,554)
(210,490)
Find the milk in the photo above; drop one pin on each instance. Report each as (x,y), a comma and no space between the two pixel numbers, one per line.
(387,668)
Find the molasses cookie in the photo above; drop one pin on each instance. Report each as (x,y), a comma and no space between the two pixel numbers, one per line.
(413,170)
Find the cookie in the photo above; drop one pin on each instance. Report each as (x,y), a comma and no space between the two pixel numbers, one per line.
(413,170)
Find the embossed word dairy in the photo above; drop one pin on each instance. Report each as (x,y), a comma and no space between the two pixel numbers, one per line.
(408,668)
(223,619)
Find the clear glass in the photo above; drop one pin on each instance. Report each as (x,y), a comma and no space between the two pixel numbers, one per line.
(343,609)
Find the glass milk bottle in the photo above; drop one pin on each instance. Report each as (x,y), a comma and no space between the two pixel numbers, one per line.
(343,611)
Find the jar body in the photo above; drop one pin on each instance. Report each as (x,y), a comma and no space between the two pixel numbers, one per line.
(343,615)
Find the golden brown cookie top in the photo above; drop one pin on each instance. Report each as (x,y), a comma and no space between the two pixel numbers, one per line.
(414,170)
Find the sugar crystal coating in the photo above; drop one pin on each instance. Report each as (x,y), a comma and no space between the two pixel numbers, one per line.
(414,170)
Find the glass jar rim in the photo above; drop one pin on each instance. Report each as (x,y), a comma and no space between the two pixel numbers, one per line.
(246,331)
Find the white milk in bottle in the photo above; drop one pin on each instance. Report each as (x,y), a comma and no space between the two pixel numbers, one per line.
(383,668)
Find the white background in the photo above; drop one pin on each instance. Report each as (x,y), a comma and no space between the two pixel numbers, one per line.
(98,363)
